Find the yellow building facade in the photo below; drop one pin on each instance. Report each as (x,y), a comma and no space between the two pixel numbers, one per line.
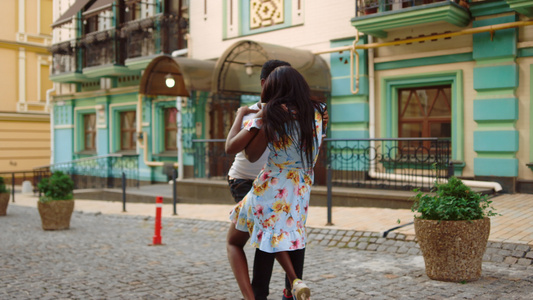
(25,36)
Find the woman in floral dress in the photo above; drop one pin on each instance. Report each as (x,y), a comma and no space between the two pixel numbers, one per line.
(273,214)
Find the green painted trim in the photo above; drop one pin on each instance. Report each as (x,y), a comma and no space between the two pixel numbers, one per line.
(446,11)
(349,112)
(114,119)
(492,94)
(425,61)
(139,63)
(107,71)
(496,125)
(496,77)
(506,155)
(496,61)
(530,113)
(79,142)
(496,141)
(348,99)
(524,7)
(505,167)
(504,109)
(356,126)
(389,104)
(71,77)
(525,52)
(486,8)
(350,134)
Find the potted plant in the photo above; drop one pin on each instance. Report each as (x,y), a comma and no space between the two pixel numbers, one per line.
(452,227)
(57,203)
(4,197)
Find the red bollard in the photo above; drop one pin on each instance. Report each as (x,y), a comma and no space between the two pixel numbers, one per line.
(158,207)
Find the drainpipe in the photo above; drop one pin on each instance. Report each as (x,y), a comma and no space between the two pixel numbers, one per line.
(142,137)
(179,102)
(52,134)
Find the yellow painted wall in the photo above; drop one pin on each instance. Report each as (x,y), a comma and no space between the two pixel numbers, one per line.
(24,144)
(24,130)
(8,79)
(8,19)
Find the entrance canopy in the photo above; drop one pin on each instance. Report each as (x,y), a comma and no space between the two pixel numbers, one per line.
(238,69)
(188,74)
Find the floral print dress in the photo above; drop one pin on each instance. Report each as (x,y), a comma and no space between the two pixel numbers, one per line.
(274,212)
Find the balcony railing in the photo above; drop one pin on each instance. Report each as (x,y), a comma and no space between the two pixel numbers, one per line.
(398,164)
(100,48)
(98,171)
(63,57)
(367,7)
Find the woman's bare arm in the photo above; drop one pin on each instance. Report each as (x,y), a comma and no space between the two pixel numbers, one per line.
(237,138)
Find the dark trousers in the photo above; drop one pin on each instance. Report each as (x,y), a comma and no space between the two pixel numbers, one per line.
(264,261)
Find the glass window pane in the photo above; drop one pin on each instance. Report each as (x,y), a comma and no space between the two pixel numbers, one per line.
(440,130)
(411,130)
(441,107)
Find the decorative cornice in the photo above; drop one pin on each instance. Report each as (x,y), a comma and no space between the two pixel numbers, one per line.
(524,7)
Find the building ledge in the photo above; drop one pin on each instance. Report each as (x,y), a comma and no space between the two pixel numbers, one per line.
(377,24)
(109,70)
(70,77)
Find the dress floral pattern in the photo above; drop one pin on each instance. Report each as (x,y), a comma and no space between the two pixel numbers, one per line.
(274,212)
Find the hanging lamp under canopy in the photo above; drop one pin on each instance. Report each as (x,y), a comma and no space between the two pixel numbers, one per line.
(188,74)
(238,69)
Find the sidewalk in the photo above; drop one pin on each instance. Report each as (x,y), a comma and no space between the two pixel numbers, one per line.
(515,225)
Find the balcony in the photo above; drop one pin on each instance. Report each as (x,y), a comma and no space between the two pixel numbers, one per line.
(64,63)
(376,17)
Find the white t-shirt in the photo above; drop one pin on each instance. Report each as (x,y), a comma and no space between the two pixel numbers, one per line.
(243,168)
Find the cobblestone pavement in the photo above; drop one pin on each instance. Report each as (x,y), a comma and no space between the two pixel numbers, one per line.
(109,257)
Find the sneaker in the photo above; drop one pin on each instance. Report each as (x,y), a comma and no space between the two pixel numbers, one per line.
(300,291)
(285,297)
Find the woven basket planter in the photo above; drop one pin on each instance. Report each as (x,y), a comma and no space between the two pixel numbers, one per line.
(4,201)
(55,214)
(453,250)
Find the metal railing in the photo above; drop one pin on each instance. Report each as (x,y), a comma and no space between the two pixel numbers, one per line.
(367,7)
(396,163)
(99,171)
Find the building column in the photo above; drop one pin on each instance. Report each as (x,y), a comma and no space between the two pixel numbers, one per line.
(496,105)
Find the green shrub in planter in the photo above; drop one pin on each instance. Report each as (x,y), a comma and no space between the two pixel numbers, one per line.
(57,204)
(3,188)
(4,197)
(452,227)
(58,187)
(452,201)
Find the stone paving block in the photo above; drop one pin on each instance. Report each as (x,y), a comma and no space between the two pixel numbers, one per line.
(382,248)
(497,258)
(332,243)
(402,249)
(392,249)
(510,260)
(381,240)
(524,261)
(508,246)
(362,246)
(529,255)
(358,233)
(341,244)
(367,233)
(486,257)
(389,242)
(346,239)
(524,248)
(392,235)
(504,252)
(337,237)
(372,247)
(352,244)
(320,237)
(413,251)
(372,240)
(400,236)
(518,254)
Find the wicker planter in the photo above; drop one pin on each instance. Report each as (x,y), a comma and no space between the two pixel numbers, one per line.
(4,201)
(453,250)
(55,214)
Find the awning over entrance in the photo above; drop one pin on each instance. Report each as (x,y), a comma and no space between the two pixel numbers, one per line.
(188,74)
(231,74)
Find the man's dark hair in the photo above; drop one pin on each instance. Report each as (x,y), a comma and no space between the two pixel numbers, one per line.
(270,65)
